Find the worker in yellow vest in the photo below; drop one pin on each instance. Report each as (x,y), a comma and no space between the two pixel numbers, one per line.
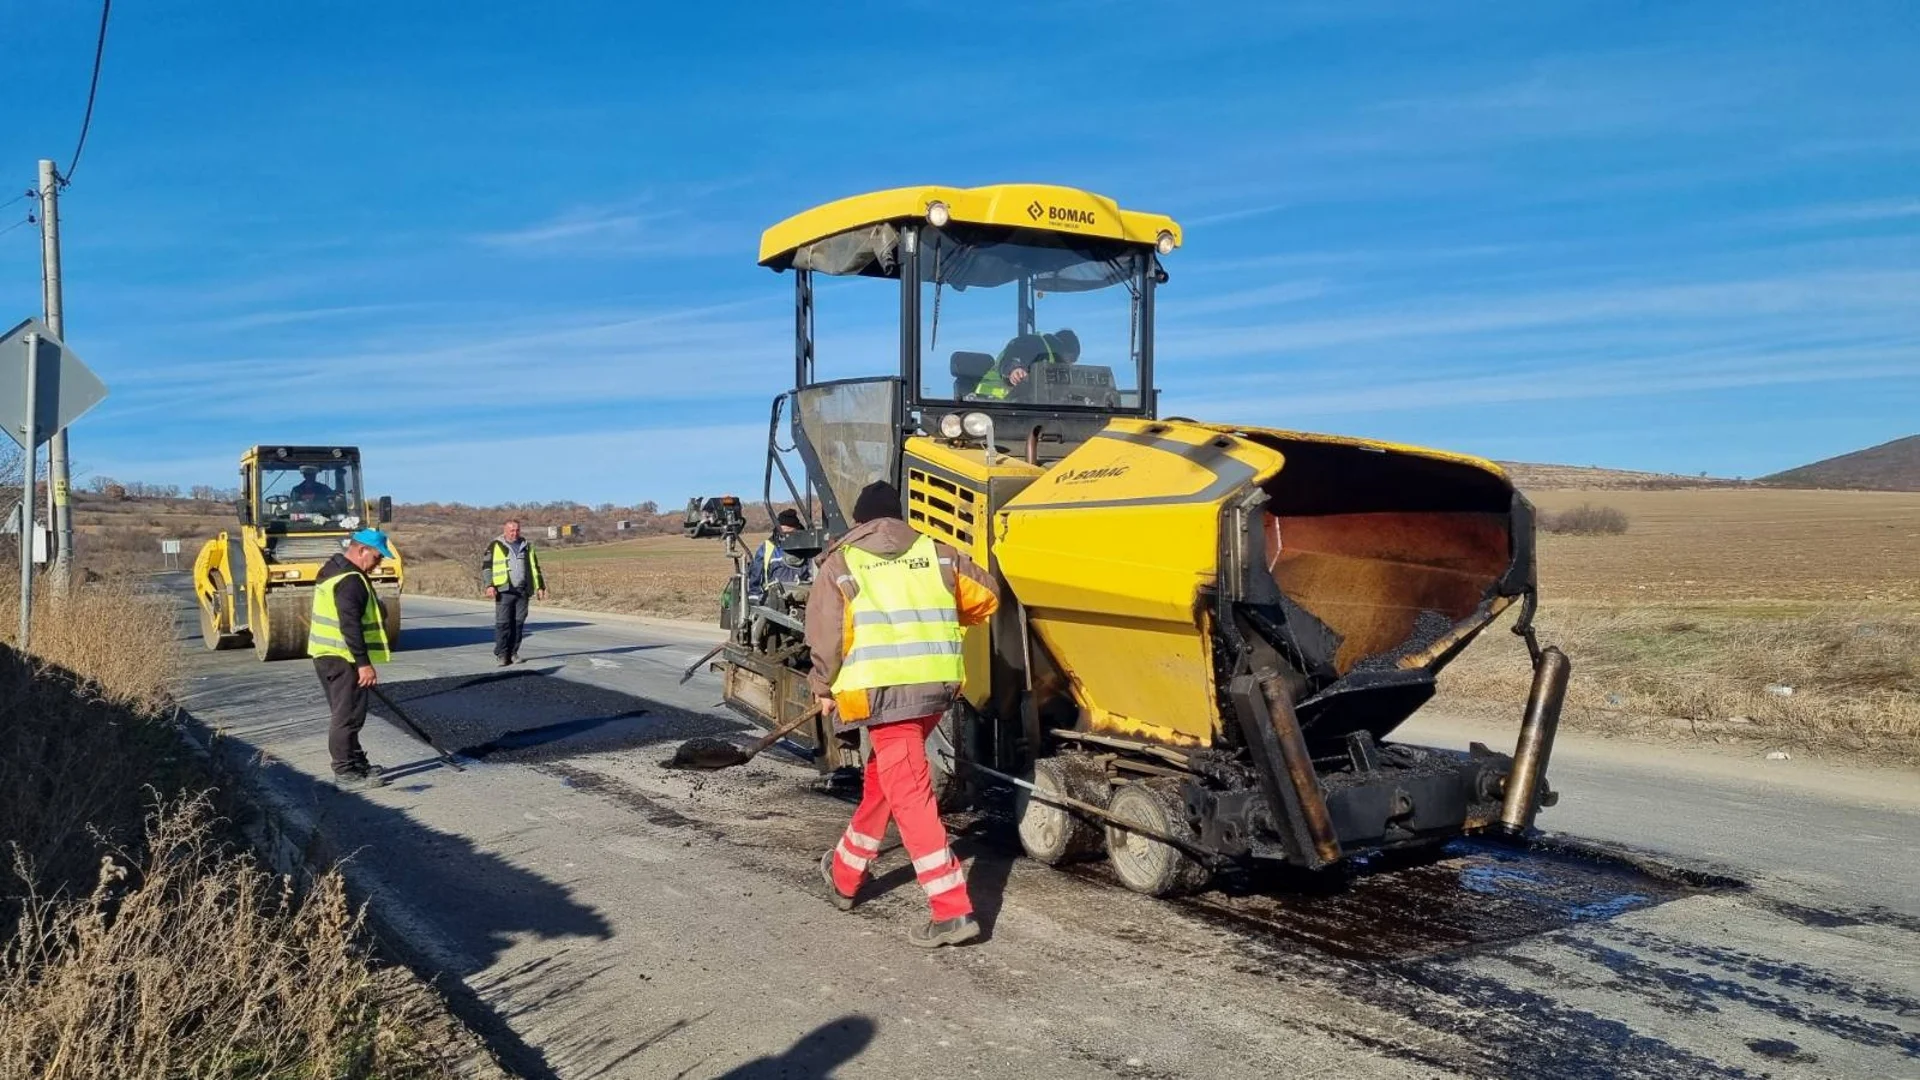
(884,625)
(511,569)
(346,637)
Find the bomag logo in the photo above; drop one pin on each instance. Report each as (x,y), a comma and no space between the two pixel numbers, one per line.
(1088,476)
(1061,215)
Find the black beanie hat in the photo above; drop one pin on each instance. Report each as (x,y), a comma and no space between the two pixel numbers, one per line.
(788,518)
(877,500)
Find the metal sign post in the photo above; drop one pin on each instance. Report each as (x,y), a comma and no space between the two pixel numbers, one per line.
(28,480)
(170,554)
(49,402)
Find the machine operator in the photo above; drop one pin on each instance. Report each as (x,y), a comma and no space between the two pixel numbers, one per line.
(770,564)
(1014,366)
(310,492)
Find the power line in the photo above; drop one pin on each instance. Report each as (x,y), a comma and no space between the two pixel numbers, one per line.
(93,89)
(28,220)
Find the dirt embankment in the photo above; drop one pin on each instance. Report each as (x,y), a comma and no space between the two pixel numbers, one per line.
(137,936)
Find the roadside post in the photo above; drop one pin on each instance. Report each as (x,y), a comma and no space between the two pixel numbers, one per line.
(44,388)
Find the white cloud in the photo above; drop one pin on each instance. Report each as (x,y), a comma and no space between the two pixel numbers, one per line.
(573,227)
(1853,213)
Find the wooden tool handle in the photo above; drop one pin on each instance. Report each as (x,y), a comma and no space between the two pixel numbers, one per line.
(785,729)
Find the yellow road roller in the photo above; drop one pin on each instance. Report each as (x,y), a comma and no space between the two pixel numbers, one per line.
(296,507)
(1209,631)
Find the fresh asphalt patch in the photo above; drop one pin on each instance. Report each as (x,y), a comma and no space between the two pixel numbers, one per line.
(530,714)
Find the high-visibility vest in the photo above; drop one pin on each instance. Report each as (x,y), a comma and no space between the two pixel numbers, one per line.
(323,630)
(994,385)
(906,627)
(497,576)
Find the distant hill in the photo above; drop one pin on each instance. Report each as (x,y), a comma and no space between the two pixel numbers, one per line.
(1530,476)
(1891,466)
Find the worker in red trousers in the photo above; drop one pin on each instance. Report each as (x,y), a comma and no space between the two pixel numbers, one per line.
(884,625)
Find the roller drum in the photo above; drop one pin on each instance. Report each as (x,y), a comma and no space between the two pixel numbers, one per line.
(280,631)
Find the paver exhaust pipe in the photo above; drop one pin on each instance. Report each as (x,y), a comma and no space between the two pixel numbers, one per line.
(1549,693)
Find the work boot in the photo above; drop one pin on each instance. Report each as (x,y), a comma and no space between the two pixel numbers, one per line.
(359,780)
(505,660)
(949,932)
(843,902)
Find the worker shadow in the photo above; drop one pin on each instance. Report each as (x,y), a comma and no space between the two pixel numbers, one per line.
(435,899)
(428,638)
(815,1056)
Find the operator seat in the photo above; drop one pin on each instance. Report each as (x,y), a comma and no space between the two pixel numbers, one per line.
(968,368)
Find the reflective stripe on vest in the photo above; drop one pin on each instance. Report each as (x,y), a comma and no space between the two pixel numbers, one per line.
(502,561)
(906,627)
(323,628)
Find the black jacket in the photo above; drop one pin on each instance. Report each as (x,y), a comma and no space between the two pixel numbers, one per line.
(350,596)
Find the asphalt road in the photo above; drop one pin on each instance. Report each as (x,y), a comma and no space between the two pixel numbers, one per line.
(610,918)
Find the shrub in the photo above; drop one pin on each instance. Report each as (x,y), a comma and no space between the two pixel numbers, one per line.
(187,959)
(1586,520)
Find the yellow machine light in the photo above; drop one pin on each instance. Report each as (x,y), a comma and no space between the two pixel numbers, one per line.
(977,425)
(1165,242)
(951,427)
(938,215)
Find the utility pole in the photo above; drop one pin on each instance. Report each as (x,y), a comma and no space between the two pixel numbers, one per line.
(59,479)
(27,476)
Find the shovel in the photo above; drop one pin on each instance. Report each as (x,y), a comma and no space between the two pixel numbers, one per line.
(688,674)
(711,754)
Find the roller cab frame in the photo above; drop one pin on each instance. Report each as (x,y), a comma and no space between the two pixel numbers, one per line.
(1208,632)
(254,584)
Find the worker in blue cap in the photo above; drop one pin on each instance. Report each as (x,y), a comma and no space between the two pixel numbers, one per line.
(347,636)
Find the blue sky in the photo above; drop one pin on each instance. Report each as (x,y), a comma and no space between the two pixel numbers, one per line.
(511,252)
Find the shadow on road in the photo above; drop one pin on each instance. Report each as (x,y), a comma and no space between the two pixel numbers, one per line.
(423,638)
(815,1057)
(621,651)
(526,714)
(991,865)
(481,903)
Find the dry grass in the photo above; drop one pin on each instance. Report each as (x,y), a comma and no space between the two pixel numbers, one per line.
(136,943)
(1716,595)
(188,960)
(669,577)
(1853,671)
(113,633)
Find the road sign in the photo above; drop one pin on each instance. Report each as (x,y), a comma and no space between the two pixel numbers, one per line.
(170,554)
(64,388)
(12,528)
